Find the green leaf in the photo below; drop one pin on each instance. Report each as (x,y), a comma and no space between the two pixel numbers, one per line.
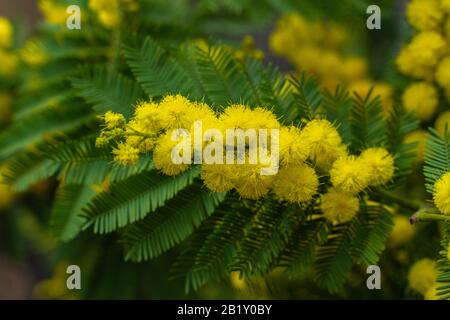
(437,158)
(32,129)
(107,90)
(132,199)
(159,73)
(367,125)
(171,224)
(66,219)
(29,167)
(207,259)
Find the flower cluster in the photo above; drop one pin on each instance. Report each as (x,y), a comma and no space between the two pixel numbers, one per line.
(426,58)
(317,48)
(109,11)
(303,153)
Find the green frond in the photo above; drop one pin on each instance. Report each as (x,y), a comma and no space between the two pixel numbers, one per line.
(107,90)
(48,97)
(399,124)
(367,125)
(157,72)
(269,88)
(307,96)
(437,158)
(83,163)
(29,167)
(371,231)
(443,266)
(221,76)
(170,224)
(132,199)
(265,238)
(205,259)
(66,219)
(32,129)
(337,106)
(333,259)
(300,253)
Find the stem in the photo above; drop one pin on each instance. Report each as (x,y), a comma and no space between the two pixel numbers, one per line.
(139,134)
(404,202)
(428,214)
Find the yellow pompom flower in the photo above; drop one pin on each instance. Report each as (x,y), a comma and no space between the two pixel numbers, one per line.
(325,161)
(422,99)
(202,112)
(176,111)
(249,182)
(126,155)
(162,154)
(442,75)
(238,116)
(419,57)
(296,183)
(321,136)
(350,174)
(422,275)
(442,121)
(147,118)
(402,232)
(218,177)
(441,194)
(114,120)
(380,164)
(339,207)
(144,144)
(424,14)
(293,149)
(418,137)
(6,31)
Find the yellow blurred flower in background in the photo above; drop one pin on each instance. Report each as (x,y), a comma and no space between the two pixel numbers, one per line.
(34,54)
(6,33)
(402,232)
(418,137)
(53,13)
(422,275)
(424,14)
(55,288)
(422,99)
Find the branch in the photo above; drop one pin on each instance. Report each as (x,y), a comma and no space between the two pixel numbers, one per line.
(428,214)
